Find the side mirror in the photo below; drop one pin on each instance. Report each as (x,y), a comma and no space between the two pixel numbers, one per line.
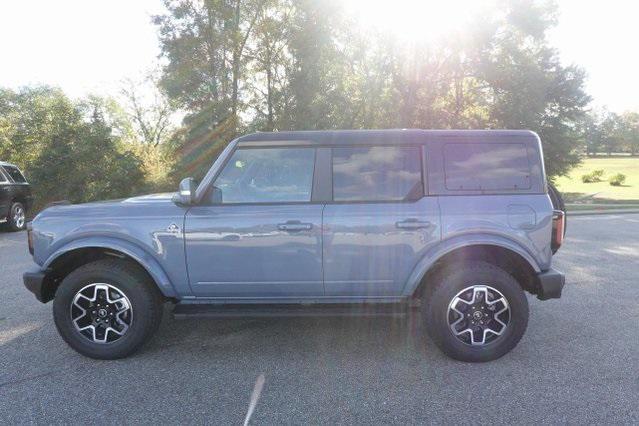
(186,192)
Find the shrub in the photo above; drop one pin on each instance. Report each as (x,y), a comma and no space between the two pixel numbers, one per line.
(617,180)
(594,176)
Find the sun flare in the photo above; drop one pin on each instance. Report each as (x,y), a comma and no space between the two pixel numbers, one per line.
(418,20)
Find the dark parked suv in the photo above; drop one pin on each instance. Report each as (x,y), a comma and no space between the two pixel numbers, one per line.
(456,223)
(15,197)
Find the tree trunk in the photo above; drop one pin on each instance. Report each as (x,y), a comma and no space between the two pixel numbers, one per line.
(239,42)
(211,52)
(237,54)
(269,96)
(459,100)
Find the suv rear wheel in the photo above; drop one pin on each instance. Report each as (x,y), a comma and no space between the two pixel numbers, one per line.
(17,218)
(107,309)
(476,312)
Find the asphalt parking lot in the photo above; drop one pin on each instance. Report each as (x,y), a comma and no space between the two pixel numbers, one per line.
(577,363)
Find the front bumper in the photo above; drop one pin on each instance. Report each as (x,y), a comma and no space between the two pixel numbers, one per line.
(551,282)
(34,281)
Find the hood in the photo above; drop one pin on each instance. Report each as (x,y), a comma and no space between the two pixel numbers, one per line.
(149,198)
(145,199)
(139,205)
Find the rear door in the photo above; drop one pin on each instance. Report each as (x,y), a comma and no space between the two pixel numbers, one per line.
(379,223)
(263,239)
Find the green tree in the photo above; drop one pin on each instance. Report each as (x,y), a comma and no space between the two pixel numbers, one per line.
(630,132)
(611,129)
(67,149)
(269,62)
(148,110)
(591,131)
(300,64)
(528,86)
(204,44)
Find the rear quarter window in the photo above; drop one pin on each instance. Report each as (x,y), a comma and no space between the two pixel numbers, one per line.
(15,174)
(486,166)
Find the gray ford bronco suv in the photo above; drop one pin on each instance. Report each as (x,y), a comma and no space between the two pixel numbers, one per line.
(451,226)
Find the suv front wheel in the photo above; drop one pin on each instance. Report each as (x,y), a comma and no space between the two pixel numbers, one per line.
(476,312)
(107,309)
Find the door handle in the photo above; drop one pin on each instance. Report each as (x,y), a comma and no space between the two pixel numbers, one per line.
(412,224)
(294,226)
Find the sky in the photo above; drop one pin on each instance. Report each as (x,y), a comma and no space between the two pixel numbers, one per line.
(601,37)
(91,46)
(82,46)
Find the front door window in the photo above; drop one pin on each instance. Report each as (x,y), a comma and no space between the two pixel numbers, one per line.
(267,175)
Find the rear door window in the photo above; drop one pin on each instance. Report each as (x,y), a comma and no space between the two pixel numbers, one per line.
(378,173)
(486,166)
(15,174)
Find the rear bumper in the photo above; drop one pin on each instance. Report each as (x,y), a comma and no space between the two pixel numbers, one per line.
(34,280)
(28,201)
(551,282)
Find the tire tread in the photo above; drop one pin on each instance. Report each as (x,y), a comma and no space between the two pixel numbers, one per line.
(439,332)
(145,289)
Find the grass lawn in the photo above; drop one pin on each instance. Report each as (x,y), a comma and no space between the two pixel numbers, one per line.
(575,191)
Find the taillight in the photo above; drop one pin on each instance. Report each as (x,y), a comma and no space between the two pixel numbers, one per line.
(30,238)
(558,224)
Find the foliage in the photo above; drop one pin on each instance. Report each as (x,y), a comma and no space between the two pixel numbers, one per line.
(609,133)
(245,65)
(67,149)
(617,180)
(236,66)
(156,165)
(148,110)
(592,177)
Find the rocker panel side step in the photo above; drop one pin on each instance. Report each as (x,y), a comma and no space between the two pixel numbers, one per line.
(198,310)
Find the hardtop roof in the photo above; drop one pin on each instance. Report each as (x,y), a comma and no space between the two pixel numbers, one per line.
(380,136)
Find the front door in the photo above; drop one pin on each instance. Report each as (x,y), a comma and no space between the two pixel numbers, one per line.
(380,223)
(263,239)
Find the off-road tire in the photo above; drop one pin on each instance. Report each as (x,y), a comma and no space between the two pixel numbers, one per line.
(448,283)
(146,303)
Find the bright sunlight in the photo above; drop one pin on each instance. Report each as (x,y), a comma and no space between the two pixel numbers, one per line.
(413,20)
